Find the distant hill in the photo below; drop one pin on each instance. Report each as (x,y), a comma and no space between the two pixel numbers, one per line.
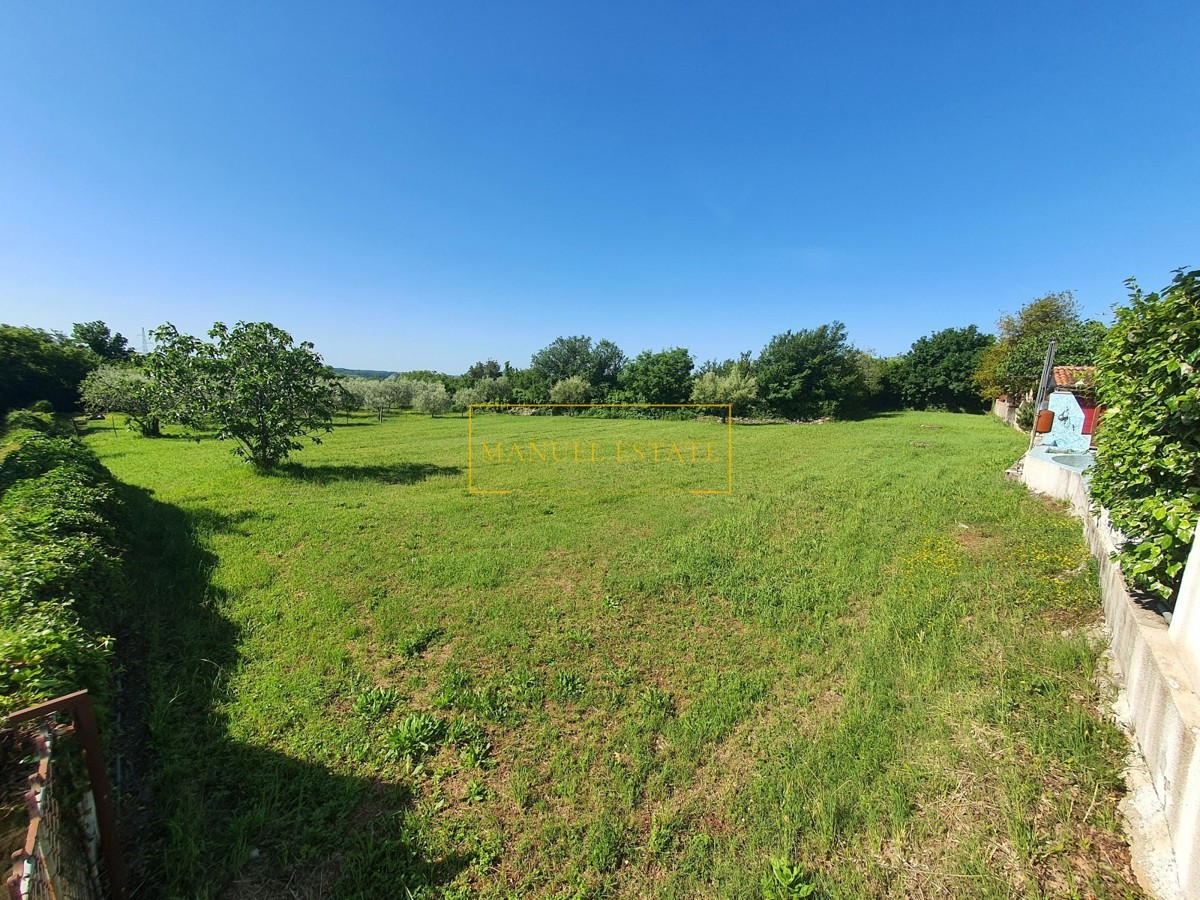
(362,373)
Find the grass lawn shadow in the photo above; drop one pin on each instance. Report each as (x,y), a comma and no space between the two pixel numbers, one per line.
(202,813)
(388,473)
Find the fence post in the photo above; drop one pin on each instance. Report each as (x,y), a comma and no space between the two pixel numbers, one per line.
(80,706)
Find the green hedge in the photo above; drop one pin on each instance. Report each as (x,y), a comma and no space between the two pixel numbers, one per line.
(1148,444)
(59,569)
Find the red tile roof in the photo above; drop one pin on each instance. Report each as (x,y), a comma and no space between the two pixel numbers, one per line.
(1075,376)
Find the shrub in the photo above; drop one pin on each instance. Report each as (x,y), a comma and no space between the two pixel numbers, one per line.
(811,373)
(571,390)
(59,570)
(26,420)
(42,422)
(939,370)
(1025,415)
(1148,445)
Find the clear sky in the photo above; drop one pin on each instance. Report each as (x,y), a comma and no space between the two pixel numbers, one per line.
(423,185)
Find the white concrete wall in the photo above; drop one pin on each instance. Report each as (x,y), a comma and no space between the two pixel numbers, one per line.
(1185,625)
(1163,707)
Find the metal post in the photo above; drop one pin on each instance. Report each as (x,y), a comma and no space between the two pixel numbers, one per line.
(1047,369)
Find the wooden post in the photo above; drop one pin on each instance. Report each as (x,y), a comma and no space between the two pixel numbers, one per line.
(80,706)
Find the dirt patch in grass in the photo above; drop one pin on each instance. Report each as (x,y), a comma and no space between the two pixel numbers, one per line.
(976,540)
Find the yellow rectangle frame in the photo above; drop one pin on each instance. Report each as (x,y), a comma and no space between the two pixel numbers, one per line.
(728,407)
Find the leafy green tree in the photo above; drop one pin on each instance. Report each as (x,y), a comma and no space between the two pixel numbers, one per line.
(811,373)
(261,389)
(431,397)
(528,386)
(482,370)
(464,397)
(571,390)
(37,365)
(1013,365)
(124,389)
(496,390)
(881,377)
(401,392)
(346,397)
(598,364)
(1147,471)
(737,388)
(664,377)
(939,370)
(375,396)
(97,337)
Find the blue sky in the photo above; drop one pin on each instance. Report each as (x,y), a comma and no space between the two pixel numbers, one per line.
(424,185)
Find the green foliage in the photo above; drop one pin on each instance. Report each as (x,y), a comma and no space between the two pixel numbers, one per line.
(1025,415)
(417,735)
(484,371)
(431,397)
(40,421)
(784,881)
(26,420)
(260,389)
(664,377)
(127,390)
(419,641)
(598,364)
(1013,365)
(375,703)
(571,390)
(939,370)
(882,377)
(464,397)
(98,338)
(604,845)
(1148,446)
(736,387)
(811,373)
(37,365)
(58,570)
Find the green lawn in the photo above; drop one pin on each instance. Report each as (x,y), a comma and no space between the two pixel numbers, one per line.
(871,661)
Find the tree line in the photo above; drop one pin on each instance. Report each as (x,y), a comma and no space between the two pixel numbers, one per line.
(252,379)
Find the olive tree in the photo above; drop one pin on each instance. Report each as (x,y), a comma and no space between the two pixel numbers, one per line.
(495,390)
(431,397)
(123,389)
(253,382)
(375,396)
(736,388)
(347,397)
(571,390)
(464,397)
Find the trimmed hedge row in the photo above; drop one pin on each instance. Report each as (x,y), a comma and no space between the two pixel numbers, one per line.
(1148,446)
(59,568)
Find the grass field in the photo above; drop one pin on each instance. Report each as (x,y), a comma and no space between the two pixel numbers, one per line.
(868,669)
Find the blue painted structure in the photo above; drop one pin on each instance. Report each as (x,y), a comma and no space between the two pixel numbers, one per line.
(1067,432)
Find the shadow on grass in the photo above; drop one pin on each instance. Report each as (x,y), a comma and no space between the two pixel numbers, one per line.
(201,812)
(391,473)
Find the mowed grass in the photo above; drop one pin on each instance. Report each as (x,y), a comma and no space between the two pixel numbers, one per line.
(874,662)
